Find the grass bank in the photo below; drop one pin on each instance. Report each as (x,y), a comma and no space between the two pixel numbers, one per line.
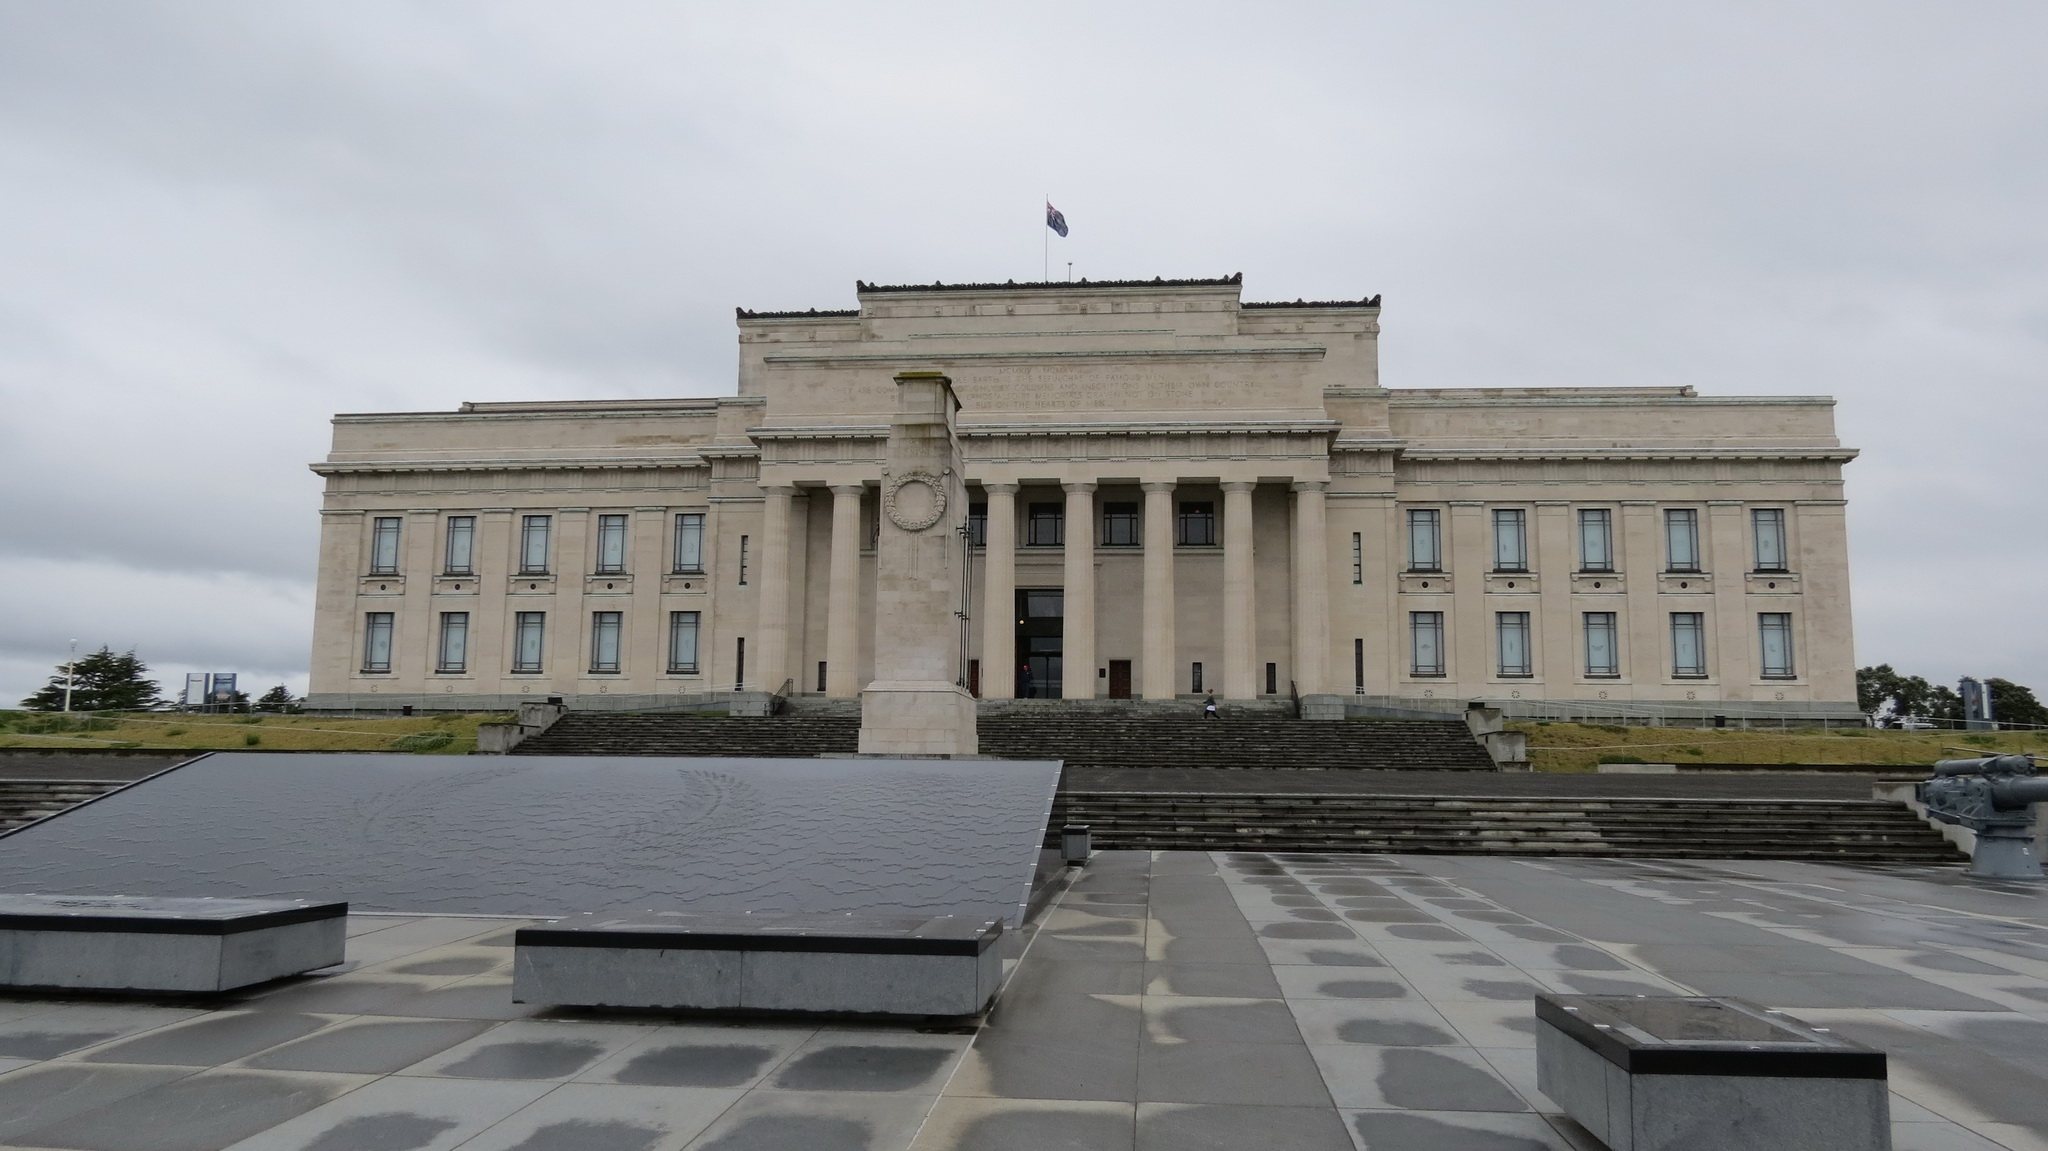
(429,735)
(1580,746)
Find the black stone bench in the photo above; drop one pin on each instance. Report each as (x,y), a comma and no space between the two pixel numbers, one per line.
(138,943)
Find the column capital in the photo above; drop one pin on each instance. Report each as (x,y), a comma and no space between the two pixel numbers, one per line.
(1078,487)
(778,489)
(1159,486)
(849,489)
(1000,489)
(1238,485)
(1309,485)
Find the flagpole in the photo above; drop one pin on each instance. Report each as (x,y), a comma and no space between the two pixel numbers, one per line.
(1045,244)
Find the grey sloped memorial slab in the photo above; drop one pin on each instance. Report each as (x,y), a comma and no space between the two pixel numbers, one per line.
(1696,1073)
(551,836)
(141,943)
(893,965)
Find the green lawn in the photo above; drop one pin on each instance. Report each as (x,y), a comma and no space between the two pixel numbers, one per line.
(1579,746)
(244,732)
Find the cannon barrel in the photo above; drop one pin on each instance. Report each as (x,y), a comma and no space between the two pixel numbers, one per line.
(2015,794)
(1988,765)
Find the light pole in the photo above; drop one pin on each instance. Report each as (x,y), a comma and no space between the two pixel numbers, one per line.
(69,676)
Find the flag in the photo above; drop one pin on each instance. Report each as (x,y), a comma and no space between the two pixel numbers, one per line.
(1054,220)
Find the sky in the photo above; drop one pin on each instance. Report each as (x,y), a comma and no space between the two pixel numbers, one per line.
(225,221)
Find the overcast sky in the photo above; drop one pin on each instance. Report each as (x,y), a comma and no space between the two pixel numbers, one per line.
(224,222)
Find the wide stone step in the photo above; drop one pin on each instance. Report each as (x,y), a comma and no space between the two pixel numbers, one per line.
(23,801)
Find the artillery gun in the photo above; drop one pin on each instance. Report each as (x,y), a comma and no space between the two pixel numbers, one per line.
(1994,797)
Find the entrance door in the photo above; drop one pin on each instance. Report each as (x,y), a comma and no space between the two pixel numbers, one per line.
(1119,679)
(1041,624)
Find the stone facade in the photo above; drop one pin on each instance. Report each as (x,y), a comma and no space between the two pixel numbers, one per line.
(1165,482)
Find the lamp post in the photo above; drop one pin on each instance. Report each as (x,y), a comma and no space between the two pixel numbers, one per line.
(70,669)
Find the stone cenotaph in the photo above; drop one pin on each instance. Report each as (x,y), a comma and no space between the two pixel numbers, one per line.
(916,705)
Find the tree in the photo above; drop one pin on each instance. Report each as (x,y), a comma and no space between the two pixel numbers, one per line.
(279,698)
(1884,693)
(1876,687)
(2015,705)
(101,681)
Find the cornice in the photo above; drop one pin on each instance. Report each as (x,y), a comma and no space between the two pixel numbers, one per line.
(547,464)
(1836,455)
(1172,428)
(1301,354)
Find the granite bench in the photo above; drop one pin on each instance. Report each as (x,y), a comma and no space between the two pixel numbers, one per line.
(1664,1073)
(942,965)
(137,943)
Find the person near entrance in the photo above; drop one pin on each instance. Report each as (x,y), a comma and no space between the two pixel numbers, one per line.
(1209,707)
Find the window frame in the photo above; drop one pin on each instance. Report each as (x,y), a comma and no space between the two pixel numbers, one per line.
(1122,517)
(463,528)
(380,634)
(1609,624)
(1780,622)
(614,543)
(525,623)
(1779,531)
(1513,623)
(1045,519)
(1425,525)
(1690,519)
(454,626)
(1194,524)
(1694,622)
(1357,558)
(687,554)
(1510,526)
(536,537)
(682,623)
(1428,624)
(1604,518)
(385,538)
(607,628)
(744,559)
(977,526)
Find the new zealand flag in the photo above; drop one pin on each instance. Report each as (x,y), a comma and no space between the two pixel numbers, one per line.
(1054,220)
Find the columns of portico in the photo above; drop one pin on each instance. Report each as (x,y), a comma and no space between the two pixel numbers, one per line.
(1160,670)
(842,635)
(772,633)
(1311,590)
(1077,643)
(1240,678)
(999,595)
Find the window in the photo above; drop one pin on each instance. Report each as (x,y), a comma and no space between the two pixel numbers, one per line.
(377,641)
(611,545)
(689,543)
(743,561)
(1196,527)
(1272,679)
(1776,627)
(1510,540)
(604,640)
(821,674)
(739,665)
(533,544)
(1425,540)
(1426,643)
(1045,526)
(1596,539)
(384,546)
(1196,677)
(1682,539)
(461,552)
(1358,666)
(682,644)
(1357,557)
(1119,525)
(1768,526)
(453,655)
(1511,631)
(1045,603)
(1603,652)
(977,528)
(1688,645)
(528,628)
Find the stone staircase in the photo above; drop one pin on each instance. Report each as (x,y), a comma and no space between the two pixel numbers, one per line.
(24,801)
(1819,830)
(1083,738)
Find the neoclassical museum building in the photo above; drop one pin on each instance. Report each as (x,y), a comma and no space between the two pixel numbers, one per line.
(1172,491)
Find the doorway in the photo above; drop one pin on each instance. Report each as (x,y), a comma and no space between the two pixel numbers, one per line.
(1119,679)
(1041,624)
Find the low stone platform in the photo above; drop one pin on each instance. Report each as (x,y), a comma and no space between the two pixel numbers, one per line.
(941,965)
(128,943)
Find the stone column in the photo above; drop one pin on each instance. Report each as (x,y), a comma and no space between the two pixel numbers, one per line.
(1077,643)
(842,631)
(1240,616)
(769,662)
(1311,590)
(1161,672)
(999,595)
(917,704)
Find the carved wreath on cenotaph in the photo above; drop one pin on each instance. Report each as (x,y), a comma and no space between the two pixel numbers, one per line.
(914,500)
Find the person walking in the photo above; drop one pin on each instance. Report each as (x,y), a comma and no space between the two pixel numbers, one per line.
(1209,707)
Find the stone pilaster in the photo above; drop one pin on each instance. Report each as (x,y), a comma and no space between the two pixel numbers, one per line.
(1160,673)
(770,665)
(1077,643)
(842,627)
(1240,677)
(999,594)
(1311,590)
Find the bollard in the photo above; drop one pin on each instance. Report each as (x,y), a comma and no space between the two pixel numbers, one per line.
(1994,797)
(1075,844)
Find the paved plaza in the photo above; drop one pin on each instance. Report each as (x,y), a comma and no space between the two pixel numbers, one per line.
(1180,1000)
